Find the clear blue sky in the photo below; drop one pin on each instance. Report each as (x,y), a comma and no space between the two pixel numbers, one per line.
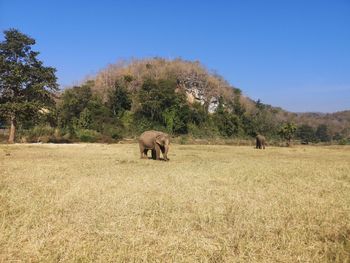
(289,53)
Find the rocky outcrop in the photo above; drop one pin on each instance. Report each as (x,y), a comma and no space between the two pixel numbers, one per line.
(197,91)
(213,104)
(194,95)
(200,85)
(194,87)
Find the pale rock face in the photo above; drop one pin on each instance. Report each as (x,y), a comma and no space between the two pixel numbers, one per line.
(44,111)
(196,88)
(190,98)
(198,95)
(213,104)
(195,95)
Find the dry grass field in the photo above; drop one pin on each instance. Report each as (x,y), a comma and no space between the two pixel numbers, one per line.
(101,203)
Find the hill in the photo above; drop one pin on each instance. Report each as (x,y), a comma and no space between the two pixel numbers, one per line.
(337,121)
(207,89)
(199,84)
(177,96)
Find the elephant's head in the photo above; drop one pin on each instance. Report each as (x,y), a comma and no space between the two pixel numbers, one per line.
(163,141)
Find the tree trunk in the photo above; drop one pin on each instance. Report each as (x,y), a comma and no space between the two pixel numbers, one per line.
(12,129)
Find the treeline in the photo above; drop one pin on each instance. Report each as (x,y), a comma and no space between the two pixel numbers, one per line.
(80,114)
(125,100)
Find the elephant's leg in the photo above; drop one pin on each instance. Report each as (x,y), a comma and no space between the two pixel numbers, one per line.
(154,156)
(157,150)
(164,150)
(143,151)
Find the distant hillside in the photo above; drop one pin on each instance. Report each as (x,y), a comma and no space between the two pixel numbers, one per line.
(207,89)
(179,97)
(199,84)
(337,121)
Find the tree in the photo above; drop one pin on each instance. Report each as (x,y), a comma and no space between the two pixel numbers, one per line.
(338,136)
(227,123)
(238,108)
(261,120)
(287,132)
(80,108)
(26,86)
(119,99)
(306,133)
(72,102)
(198,114)
(322,133)
(156,97)
(85,119)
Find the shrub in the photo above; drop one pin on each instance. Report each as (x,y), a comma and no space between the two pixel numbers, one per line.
(344,141)
(38,131)
(183,140)
(119,99)
(37,134)
(113,132)
(207,130)
(127,118)
(85,135)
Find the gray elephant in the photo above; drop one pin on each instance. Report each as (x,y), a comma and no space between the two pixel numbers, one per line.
(155,141)
(260,142)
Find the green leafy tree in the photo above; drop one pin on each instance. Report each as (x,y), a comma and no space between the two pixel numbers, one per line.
(198,115)
(306,133)
(287,132)
(26,85)
(227,123)
(100,114)
(177,117)
(338,136)
(260,121)
(162,106)
(119,99)
(155,97)
(322,133)
(238,108)
(79,108)
(73,101)
(85,119)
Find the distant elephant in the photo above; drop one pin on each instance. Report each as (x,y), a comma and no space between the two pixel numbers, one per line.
(155,141)
(260,142)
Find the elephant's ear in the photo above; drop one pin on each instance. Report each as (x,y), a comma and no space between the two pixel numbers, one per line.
(160,139)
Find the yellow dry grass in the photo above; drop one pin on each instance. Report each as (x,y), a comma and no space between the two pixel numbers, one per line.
(101,203)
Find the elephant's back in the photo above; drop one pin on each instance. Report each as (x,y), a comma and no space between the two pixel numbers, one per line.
(147,138)
(260,137)
(147,134)
(150,133)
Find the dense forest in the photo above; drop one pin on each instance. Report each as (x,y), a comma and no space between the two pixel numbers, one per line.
(180,97)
